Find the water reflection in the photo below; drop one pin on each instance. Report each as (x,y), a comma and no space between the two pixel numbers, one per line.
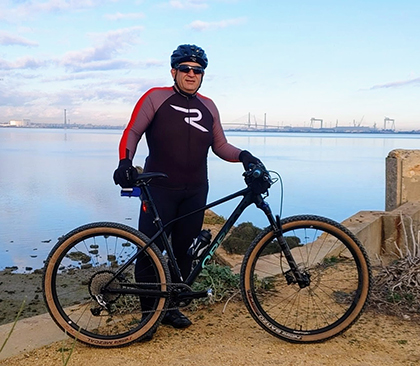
(55,180)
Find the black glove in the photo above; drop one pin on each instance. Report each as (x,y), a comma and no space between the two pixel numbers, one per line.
(247,158)
(125,175)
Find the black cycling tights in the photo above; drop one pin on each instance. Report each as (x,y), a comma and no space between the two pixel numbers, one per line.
(173,203)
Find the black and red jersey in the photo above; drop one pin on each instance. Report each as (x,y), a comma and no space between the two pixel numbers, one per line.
(179,132)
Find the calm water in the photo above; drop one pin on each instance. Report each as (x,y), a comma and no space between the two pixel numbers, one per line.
(52,181)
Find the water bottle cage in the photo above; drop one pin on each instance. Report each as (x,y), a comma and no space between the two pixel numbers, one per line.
(196,249)
(199,244)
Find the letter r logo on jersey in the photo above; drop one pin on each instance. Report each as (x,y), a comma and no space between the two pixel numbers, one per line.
(191,120)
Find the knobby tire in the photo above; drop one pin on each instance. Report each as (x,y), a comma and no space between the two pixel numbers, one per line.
(81,264)
(340,278)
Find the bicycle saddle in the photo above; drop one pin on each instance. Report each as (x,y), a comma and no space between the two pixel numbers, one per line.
(149,176)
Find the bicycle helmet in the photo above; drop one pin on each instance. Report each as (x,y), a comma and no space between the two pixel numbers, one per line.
(188,52)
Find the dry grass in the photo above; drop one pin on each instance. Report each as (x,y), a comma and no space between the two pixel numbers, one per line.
(396,287)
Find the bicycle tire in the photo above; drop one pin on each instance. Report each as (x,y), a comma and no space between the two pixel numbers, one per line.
(340,278)
(77,268)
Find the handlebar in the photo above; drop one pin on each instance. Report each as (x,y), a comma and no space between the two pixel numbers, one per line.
(257,177)
(256,171)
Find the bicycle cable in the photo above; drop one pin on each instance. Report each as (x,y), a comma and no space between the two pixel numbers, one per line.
(281,189)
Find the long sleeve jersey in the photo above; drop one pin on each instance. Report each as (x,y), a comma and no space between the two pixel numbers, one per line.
(179,132)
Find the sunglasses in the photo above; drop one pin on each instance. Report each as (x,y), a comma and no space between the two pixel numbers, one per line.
(187,68)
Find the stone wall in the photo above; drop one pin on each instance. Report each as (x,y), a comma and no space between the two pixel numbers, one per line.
(386,234)
(402,178)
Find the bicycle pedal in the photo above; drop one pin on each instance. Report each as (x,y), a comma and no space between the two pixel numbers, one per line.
(192,295)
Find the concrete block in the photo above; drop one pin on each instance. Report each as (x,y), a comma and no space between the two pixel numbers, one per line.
(402,178)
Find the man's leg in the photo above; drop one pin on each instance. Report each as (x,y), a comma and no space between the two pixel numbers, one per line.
(166,205)
(185,230)
(183,233)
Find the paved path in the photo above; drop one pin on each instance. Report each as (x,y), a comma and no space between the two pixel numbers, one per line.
(29,334)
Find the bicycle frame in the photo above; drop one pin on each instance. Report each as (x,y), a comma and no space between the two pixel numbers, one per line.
(109,261)
(249,197)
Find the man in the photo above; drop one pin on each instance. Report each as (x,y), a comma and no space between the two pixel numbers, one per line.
(180,126)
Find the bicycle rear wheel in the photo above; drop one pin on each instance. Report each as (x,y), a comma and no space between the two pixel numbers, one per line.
(82,264)
(339,272)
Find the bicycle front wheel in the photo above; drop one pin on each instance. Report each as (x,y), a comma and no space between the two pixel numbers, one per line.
(338,269)
(88,261)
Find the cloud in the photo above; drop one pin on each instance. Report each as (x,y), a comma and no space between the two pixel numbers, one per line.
(72,77)
(126,91)
(102,65)
(397,84)
(23,63)
(118,64)
(17,98)
(61,5)
(126,16)
(137,86)
(34,103)
(28,9)
(100,57)
(200,26)
(86,95)
(151,63)
(109,45)
(8,39)
(188,4)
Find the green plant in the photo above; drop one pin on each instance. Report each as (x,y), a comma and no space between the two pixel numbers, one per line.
(65,360)
(243,235)
(62,349)
(13,326)
(220,279)
(240,238)
(264,284)
(211,218)
(398,297)
(331,261)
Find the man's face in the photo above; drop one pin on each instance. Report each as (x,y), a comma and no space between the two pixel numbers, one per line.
(186,79)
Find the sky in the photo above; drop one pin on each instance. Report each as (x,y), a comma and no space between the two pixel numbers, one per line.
(285,62)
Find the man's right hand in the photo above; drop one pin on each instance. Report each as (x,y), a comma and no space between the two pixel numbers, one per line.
(125,175)
(247,158)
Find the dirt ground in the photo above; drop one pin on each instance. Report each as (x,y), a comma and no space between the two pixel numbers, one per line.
(233,338)
(219,338)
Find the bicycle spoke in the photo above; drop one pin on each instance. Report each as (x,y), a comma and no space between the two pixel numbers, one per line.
(338,281)
(81,269)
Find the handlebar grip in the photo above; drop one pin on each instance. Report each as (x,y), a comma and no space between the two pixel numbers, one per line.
(256,170)
(257,173)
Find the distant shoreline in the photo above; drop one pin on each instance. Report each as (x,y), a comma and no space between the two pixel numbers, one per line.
(338,130)
(65,127)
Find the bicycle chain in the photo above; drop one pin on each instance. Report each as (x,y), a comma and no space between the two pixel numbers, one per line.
(171,287)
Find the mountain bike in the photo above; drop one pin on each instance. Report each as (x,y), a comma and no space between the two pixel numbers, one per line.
(303,278)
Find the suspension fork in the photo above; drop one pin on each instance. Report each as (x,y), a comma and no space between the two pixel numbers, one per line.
(301,277)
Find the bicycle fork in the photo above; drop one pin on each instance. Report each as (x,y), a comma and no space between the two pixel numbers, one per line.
(295,274)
